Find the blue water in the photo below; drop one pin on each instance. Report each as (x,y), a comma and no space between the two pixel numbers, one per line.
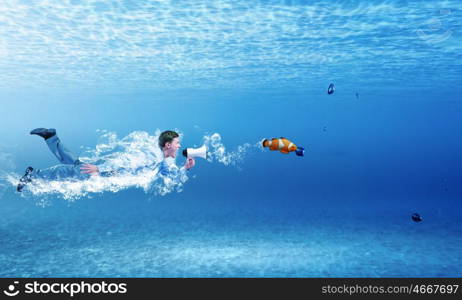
(111,75)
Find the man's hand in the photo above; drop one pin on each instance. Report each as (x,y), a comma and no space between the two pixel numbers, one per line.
(89,169)
(189,163)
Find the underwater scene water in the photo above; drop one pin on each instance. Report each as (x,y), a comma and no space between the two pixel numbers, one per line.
(110,76)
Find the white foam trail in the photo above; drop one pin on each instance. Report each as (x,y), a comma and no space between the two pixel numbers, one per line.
(217,151)
(6,166)
(137,149)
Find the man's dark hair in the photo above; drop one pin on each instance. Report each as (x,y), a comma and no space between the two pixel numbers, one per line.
(167,137)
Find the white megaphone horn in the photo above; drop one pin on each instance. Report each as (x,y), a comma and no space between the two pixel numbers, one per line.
(196,152)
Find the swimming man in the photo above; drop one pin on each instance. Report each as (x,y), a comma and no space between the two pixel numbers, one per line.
(72,167)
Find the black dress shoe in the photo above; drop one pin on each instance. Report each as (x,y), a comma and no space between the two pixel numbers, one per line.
(25,179)
(44,132)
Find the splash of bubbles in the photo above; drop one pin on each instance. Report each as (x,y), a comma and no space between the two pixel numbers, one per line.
(217,151)
(6,166)
(72,189)
(135,150)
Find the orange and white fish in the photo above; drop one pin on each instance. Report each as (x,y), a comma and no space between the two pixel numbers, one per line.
(283,145)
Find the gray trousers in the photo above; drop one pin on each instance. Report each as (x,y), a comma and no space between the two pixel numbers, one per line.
(69,167)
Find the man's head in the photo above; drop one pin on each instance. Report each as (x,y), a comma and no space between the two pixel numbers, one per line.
(169,143)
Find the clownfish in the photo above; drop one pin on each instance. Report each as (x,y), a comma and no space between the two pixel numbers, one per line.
(284,145)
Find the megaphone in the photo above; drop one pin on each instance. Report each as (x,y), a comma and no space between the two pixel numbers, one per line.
(196,152)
